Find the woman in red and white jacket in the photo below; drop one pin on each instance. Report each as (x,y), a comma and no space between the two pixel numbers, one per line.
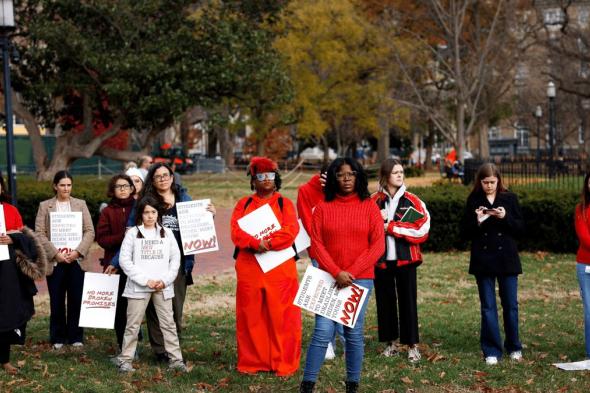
(395,275)
(582,221)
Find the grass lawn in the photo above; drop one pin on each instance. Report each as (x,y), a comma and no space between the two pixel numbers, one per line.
(550,319)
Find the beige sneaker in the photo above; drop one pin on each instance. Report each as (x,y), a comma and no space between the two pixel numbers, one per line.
(391,350)
(414,354)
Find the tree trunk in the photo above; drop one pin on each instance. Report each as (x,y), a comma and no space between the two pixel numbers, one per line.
(484,146)
(429,144)
(460,131)
(226,146)
(326,150)
(259,146)
(212,142)
(383,143)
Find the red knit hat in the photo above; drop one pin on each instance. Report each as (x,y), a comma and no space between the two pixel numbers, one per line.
(261,165)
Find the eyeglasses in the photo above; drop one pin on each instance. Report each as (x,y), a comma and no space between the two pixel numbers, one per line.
(346,175)
(265,175)
(122,187)
(164,177)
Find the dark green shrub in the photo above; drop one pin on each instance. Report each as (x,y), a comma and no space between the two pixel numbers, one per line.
(31,192)
(548,216)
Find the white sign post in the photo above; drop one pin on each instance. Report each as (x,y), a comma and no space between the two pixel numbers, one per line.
(318,293)
(99,300)
(197,228)
(65,230)
(152,256)
(4,253)
(261,223)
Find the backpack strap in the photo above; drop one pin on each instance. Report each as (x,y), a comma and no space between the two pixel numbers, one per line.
(236,249)
(139,234)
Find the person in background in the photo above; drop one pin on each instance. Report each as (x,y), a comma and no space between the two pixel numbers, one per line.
(65,276)
(347,239)
(268,324)
(308,196)
(395,276)
(110,232)
(493,221)
(145,162)
(582,224)
(26,262)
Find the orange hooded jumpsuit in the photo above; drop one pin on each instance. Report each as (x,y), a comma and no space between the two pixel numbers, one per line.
(268,325)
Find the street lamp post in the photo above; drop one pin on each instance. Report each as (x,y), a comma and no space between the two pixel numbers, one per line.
(538,115)
(6,26)
(551,92)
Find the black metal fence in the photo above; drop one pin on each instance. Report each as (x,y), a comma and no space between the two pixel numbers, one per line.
(561,173)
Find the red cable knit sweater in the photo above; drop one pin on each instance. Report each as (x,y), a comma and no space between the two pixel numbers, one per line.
(583,232)
(348,235)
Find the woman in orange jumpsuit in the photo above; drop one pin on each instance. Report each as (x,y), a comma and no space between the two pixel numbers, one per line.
(268,325)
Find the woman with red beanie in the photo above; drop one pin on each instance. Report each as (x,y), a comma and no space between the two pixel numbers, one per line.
(268,325)
(347,239)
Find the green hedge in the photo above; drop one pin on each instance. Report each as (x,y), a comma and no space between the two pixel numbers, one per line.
(548,218)
(31,192)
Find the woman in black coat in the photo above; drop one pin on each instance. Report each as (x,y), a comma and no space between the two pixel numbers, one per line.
(493,221)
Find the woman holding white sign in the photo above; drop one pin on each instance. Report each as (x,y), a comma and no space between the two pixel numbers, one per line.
(65,226)
(347,240)
(268,325)
(407,223)
(160,185)
(150,258)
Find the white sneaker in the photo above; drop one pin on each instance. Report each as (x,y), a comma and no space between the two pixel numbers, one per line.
(516,356)
(77,344)
(58,346)
(330,354)
(414,355)
(491,360)
(390,350)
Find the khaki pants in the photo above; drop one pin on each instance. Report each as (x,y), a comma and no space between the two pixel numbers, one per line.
(154,331)
(135,312)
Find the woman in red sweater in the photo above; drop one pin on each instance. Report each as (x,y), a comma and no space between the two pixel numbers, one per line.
(582,221)
(347,240)
(110,232)
(268,324)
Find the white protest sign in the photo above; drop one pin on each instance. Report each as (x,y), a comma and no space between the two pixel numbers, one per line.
(197,228)
(261,223)
(65,230)
(152,256)
(574,366)
(99,300)
(302,241)
(317,293)
(4,253)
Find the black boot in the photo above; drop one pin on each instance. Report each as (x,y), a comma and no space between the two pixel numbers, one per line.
(306,387)
(352,387)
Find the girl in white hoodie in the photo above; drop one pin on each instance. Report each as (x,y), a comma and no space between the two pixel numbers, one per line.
(150,258)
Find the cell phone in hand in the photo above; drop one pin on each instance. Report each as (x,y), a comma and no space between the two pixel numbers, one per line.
(488,211)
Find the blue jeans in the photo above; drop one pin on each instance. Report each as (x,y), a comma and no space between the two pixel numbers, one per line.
(339,331)
(584,280)
(490,340)
(355,345)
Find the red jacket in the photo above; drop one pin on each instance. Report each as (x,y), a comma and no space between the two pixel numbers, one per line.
(347,235)
(111,227)
(582,222)
(12,217)
(308,196)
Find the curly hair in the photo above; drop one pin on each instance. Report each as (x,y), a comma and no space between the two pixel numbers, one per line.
(361,182)
(113,183)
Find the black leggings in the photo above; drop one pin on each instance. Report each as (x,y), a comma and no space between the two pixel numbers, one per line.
(4,353)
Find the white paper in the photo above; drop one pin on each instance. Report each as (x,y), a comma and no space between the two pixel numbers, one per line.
(574,366)
(317,293)
(260,223)
(152,256)
(587,269)
(302,241)
(99,300)
(197,228)
(4,253)
(65,230)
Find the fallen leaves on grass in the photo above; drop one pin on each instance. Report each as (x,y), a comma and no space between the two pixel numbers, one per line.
(407,380)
